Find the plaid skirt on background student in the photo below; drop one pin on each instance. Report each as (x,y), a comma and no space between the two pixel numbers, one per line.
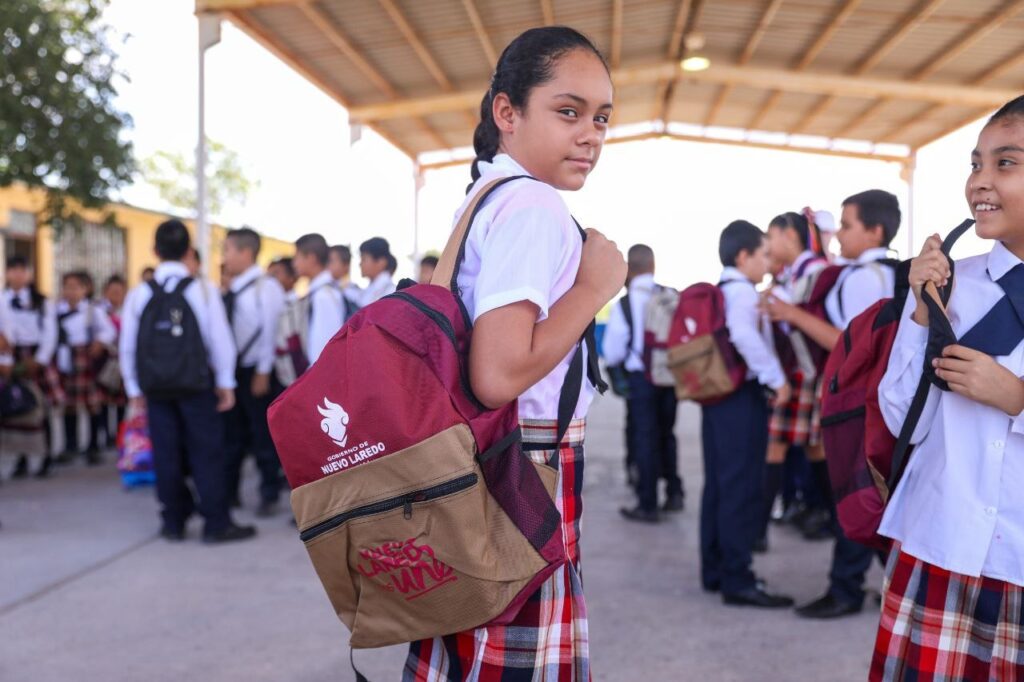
(941,626)
(548,638)
(80,387)
(798,422)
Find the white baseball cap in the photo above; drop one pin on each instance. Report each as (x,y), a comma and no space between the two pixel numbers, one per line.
(825,221)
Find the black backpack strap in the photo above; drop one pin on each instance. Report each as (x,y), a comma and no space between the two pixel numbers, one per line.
(180,287)
(627,312)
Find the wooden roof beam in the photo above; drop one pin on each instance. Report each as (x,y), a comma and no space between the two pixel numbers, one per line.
(548,12)
(720,74)
(687,15)
(616,33)
(319,18)
(910,21)
(238,5)
(939,59)
(813,50)
(481,32)
(770,10)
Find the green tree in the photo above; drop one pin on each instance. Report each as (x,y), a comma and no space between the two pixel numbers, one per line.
(59,128)
(174,176)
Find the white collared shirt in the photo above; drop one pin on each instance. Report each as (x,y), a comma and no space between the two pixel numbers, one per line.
(81,325)
(806,264)
(750,330)
(257,312)
(326,313)
(27,327)
(861,284)
(523,246)
(381,285)
(615,346)
(208,307)
(960,504)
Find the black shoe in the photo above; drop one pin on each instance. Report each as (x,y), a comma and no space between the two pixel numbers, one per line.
(232,533)
(760,545)
(757,596)
(711,587)
(172,534)
(828,606)
(21,468)
(266,509)
(46,469)
(93,457)
(817,526)
(675,503)
(793,515)
(67,457)
(641,515)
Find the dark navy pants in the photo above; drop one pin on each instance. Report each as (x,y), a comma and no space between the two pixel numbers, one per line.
(735,440)
(850,563)
(188,438)
(652,413)
(246,431)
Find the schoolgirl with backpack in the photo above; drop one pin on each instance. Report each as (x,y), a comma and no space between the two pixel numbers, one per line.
(440,498)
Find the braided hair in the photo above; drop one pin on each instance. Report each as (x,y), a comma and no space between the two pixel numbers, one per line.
(527,62)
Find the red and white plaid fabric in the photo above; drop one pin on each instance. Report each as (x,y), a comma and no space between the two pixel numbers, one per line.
(80,387)
(547,640)
(798,422)
(939,626)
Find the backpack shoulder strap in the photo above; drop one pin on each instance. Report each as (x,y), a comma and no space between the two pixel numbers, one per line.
(182,285)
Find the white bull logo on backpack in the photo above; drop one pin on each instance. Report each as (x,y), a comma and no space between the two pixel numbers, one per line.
(334,422)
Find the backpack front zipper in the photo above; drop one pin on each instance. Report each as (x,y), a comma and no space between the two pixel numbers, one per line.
(404,502)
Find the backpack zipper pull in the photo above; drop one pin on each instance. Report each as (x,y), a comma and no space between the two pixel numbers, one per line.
(407,507)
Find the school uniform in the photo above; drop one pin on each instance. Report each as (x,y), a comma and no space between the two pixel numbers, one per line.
(525,246)
(379,287)
(187,433)
(78,327)
(30,325)
(798,421)
(734,435)
(954,591)
(651,410)
(253,305)
(864,282)
(292,329)
(325,313)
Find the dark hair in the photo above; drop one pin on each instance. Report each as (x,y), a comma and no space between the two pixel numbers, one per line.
(376,247)
(245,238)
(17,262)
(195,254)
(798,222)
(878,207)
(429,261)
(737,237)
(83,277)
(115,279)
(392,263)
(313,244)
(527,62)
(172,240)
(640,257)
(1015,107)
(344,253)
(288,264)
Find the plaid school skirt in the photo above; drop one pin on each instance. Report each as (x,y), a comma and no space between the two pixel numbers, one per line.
(48,380)
(547,640)
(939,626)
(798,422)
(80,387)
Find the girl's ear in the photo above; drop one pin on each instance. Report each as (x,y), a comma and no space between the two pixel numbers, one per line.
(504,113)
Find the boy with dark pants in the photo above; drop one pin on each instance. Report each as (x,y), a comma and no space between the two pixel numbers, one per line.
(651,409)
(253,303)
(186,427)
(870,221)
(734,431)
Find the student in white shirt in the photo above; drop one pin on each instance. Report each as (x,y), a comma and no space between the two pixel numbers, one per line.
(954,591)
(31,331)
(532,287)
(325,307)
(84,333)
(869,222)
(254,303)
(339,262)
(187,430)
(377,265)
(651,410)
(734,431)
(291,332)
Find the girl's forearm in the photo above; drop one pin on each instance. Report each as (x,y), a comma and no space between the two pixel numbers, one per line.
(817,329)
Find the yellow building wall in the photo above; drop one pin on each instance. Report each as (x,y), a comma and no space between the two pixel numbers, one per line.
(139,226)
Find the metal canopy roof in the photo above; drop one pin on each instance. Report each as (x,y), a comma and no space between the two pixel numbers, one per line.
(884,72)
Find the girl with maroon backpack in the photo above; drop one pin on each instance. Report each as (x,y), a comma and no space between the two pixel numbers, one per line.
(532,286)
(954,591)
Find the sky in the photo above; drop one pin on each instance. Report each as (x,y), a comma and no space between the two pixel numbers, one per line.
(295,142)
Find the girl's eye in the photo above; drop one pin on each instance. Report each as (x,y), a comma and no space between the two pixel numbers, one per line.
(1006,162)
(568,112)
(602,119)
(975,165)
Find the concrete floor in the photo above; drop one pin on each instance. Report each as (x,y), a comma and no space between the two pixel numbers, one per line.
(87,592)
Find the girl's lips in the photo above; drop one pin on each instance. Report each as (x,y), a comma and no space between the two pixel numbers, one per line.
(585,164)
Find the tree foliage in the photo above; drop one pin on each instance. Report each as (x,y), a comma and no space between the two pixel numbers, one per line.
(174,176)
(59,126)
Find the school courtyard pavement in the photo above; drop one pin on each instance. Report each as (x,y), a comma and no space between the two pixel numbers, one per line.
(89,592)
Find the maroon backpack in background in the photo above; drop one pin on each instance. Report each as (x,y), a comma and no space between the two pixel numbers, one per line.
(865,460)
(420,512)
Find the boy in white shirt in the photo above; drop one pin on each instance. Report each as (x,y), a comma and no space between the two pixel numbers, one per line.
(325,307)
(377,265)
